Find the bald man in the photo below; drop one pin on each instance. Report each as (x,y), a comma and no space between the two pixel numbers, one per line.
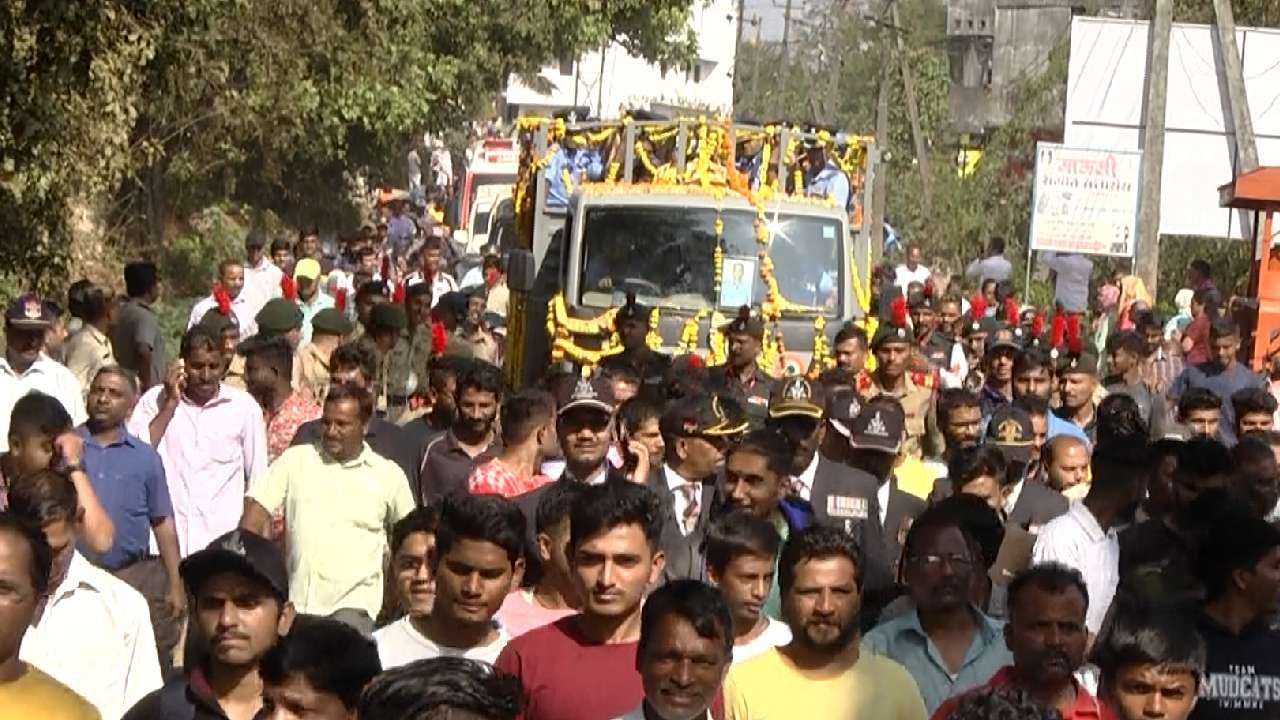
(1067,465)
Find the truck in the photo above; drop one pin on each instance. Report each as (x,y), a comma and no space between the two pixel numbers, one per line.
(666,216)
(491,170)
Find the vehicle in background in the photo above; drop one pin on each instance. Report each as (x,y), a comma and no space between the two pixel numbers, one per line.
(489,177)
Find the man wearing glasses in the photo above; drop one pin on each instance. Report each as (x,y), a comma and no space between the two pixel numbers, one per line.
(946,643)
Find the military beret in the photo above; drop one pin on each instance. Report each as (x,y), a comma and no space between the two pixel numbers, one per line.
(278,316)
(388,315)
(331,321)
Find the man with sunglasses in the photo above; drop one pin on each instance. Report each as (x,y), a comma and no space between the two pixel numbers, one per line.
(841,496)
(696,432)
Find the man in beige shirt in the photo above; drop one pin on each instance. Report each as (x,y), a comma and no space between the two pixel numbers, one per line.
(328,328)
(88,349)
(340,500)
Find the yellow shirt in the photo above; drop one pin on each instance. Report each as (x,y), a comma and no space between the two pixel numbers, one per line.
(915,477)
(770,687)
(36,695)
(337,517)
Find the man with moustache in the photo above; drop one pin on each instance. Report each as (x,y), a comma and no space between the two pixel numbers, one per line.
(1002,349)
(822,673)
(1086,538)
(686,646)
(244,301)
(240,592)
(472,441)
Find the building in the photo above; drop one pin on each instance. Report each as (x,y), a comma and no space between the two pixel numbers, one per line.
(603,82)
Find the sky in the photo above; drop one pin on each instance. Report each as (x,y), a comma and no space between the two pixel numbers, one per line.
(771,14)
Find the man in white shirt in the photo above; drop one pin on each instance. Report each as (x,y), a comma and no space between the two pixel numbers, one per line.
(686,647)
(433,270)
(94,634)
(742,554)
(479,557)
(232,291)
(25,368)
(261,276)
(910,271)
(1072,287)
(1086,537)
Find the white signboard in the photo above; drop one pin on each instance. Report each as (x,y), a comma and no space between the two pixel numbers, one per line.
(1085,201)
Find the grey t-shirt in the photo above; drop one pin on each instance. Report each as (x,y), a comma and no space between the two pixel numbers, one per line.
(995,268)
(137,324)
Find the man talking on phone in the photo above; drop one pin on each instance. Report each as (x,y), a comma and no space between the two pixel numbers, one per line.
(211,439)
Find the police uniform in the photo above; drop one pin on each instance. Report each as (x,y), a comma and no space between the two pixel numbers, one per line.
(311,364)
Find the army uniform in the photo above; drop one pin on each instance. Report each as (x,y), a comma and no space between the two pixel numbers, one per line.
(915,393)
(649,366)
(753,394)
(405,367)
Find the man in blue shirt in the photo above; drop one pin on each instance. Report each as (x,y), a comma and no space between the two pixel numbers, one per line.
(582,163)
(946,643)
(1223,374)
(825,178)
(128,478)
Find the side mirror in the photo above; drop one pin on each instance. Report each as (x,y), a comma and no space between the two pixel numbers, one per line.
(522,267)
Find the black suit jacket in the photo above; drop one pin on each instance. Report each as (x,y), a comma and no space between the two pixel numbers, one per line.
(1037,505)
(528,504)
(903,509)
(845,497)
(683,552)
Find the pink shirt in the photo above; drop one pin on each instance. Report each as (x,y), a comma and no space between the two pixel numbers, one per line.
(520,613)
(210,454)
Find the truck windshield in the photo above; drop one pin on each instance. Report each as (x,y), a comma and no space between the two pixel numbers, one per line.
(665,255)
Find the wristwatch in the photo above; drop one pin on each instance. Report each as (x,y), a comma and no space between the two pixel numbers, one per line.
(78,467)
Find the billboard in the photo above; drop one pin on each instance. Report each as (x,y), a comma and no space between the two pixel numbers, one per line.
(1085,201)
(1105,91)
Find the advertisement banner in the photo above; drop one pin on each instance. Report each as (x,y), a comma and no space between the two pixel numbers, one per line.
(1085,201)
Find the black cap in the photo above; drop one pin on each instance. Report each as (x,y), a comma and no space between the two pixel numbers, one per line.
(879,426)
(1083,361)
(239,551)
(705,414)
(796,396)
(388,315)
(29,311)
(888,332)
(1003,337)
(595,393)
(843,407)
(632,310)
(920,300)
(745,324)
(1011,432)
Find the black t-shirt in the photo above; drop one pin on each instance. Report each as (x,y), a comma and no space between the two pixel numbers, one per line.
(1242,678)
(1157,565)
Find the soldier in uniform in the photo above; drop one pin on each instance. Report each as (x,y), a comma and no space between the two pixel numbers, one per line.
(939,348)
(328,328)
(741,377)
(632,326)
(1002,350)
(1078,389)
(840,495)
(387,323)
(913,390)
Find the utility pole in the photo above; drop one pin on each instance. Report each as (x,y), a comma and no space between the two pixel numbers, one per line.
(786,33)
(737,49)
(879,190)
(913,113)
(1147,254)
(755,69)
(1232,76)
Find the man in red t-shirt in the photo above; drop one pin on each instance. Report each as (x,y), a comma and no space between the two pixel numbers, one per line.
(1046,634)
(583,667)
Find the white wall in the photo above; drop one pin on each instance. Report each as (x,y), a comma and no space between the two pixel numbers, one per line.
(1104,111)
(628,81)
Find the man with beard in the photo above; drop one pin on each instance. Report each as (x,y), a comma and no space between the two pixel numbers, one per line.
(211,439)
(1033,375)
(686,645)
(471,442)
(478,559)
(268,369)
(948,645)
(1046,634)
(822,673)
(339,500)
(997,390)
(240,590)
(914,391)
(244,302)
(356,364)
(1085,538)
(440,411)
(695,431)
(741,377)
(613,548)
(1157,555)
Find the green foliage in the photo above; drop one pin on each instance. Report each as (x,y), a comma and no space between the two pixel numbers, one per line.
(189,264)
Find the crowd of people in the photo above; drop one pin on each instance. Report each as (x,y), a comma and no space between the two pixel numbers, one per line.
(327,503)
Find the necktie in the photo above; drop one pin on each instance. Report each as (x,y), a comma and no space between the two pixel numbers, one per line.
(692,496)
